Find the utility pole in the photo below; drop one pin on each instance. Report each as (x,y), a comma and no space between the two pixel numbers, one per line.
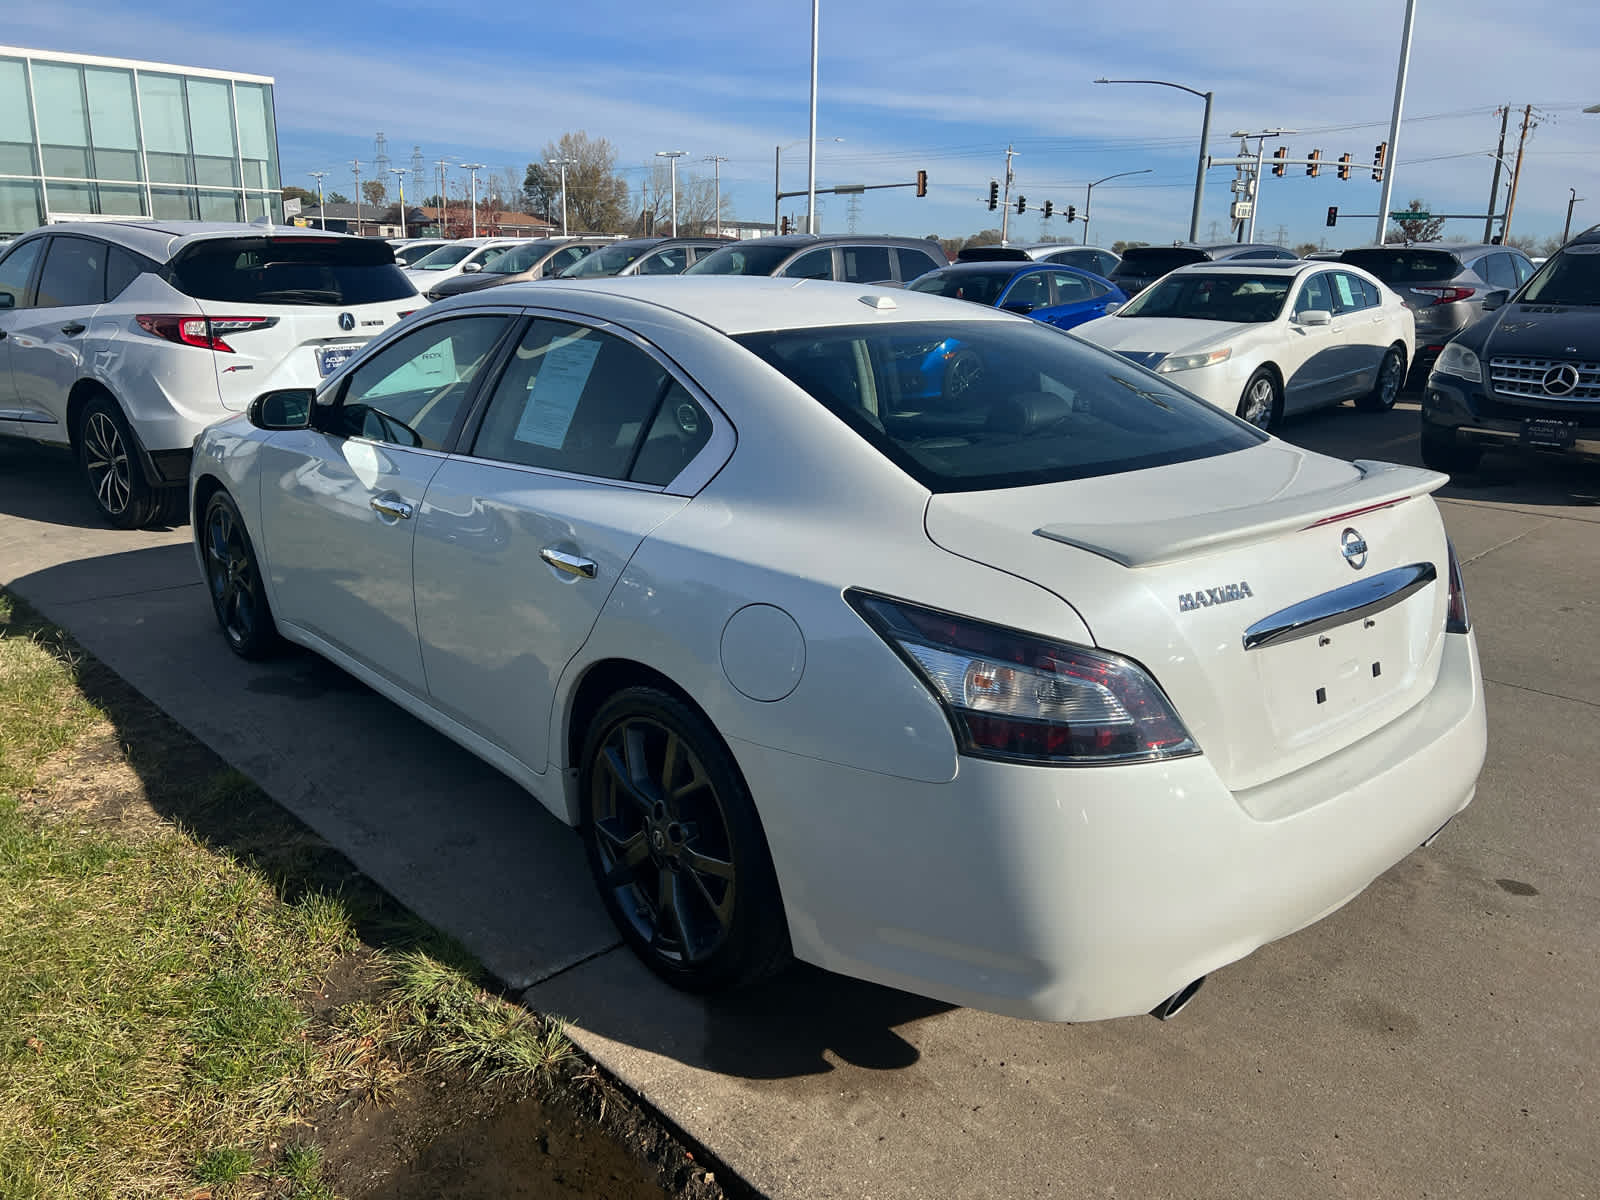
(1516,172)
(355,166)
(563,163)
(474,168)
(444,205)
(1005,204)
(399,174)
(322,215)
(1494,183)
(716,161)
(1566,230)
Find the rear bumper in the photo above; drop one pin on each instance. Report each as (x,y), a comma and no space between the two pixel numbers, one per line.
(1464,410)
(1073,895)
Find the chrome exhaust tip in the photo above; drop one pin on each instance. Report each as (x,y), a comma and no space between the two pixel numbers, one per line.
(1177,1002)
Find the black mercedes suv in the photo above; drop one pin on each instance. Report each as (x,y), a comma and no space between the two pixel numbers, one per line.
(1525,374)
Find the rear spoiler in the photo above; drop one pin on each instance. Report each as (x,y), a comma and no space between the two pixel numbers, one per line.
(1147,544)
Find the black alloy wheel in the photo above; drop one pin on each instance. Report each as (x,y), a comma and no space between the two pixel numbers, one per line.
(234,581)
(675,845)
(108,456)
(1386,388)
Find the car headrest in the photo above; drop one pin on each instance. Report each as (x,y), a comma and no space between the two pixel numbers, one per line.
(1028,412)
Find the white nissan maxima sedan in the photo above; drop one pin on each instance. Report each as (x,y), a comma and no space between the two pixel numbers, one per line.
(1264,340)
(1037,685)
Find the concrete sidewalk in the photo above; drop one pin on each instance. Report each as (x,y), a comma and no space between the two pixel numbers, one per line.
(1435,1037)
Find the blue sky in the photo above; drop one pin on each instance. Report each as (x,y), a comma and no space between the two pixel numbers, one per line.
(936,84)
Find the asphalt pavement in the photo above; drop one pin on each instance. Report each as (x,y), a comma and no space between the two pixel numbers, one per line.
(1436,1037)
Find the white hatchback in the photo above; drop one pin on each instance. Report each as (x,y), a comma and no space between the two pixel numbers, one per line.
(465,256)
(1264,340)
(123,340)
(1037,685)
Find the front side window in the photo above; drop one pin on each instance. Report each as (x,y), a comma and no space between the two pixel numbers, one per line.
(666,262)
(744,258)
(1234,298)
(74,274)
(1315,293)
(576,400)
(15,268)
(412,392)
(814,264)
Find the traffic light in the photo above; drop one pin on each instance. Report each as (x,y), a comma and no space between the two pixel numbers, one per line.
(783,226)
(922,183)
(1049,209)
(1022,204)
(994,194)
(1344,166)
(1278,155)
(1379,153)
(1315,164)
(1333,215)
(1072,213)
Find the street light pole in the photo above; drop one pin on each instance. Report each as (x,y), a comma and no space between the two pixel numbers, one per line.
(563,163)
(399,174)
(1566,230)
(355,167)
(811,168)
(672,156)
(1205,138)
(322,214)
(1089,199)
(1393,156)
(473,169)
(777,179)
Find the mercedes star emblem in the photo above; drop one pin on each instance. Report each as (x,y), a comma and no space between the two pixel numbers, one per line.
(1561,380)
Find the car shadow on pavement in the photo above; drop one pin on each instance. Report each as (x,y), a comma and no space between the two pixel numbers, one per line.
(44,484)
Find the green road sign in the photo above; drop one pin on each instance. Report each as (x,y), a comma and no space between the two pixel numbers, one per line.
(1408,215)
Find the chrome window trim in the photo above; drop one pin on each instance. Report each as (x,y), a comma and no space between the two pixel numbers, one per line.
(1342,605)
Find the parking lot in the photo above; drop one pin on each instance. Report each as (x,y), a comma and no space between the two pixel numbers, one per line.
(1435,1037)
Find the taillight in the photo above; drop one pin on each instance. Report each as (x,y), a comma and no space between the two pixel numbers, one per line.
(205,332)
(1020,698)
(1444,295)
(1456,619)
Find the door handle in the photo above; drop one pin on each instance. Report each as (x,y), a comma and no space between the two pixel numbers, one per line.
(390,505)
(583,568)
(73,328)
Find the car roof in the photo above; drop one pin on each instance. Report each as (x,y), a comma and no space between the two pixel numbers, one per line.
(1259,266)
(1007,266)
(163,240)
(1588,237)
(799,240)
(1457,248)
(738,304)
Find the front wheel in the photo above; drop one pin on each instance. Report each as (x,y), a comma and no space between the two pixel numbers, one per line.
(234,580)
(675,845)
(1386,389)
(1260,403)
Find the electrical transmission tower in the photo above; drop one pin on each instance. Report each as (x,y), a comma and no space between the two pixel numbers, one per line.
(380,157)
(853,212)
(419,175)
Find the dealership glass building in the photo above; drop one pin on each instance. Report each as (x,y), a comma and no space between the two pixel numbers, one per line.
(108,137)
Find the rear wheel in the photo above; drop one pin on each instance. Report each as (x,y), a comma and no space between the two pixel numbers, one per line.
(675,845)
(111,468)
(234,580)
(1261,403)
(1443,450)
(1386,390)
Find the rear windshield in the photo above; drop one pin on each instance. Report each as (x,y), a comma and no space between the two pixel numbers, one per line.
(291,271)
(444,256)
(1405,266)
(974,405)
(982,287)
(1148,261)
(609,260)
(1234,298)
(744,259)
(1571,277)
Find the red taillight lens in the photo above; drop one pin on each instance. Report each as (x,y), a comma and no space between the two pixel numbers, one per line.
(1456,619)
(1444,295)
(1021,698)
(207,333)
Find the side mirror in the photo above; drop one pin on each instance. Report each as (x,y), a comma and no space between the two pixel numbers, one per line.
(1495,299)
(7,300)
(286,408)
(472,268)
(1112,307)
(1019,309)
(1314,316)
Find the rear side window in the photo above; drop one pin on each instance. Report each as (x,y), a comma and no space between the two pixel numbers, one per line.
(291,271)
(814,264)
(1405,266)
(122,269)
(974,405)
(1141,262)
(916,262)
(666,262)
(1497,270)
(74,273)
(1076,289)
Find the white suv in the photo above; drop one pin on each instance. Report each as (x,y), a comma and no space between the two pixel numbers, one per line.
(125,340)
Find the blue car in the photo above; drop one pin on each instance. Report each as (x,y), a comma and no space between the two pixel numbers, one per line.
(1049,292)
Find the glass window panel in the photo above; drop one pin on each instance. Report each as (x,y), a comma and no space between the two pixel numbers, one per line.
(211,116)
(74,273)
(258,134)
(255,173)
(122,269)
(16,125)
(219,172)
(71,162)
(112,124)
(17,159)
(161,106)
(121,201)
(17,267)
(171,168)
(69,197)
(175,204)
(20,207)
(219,206)
(58,100)
(116,164)
(420,381)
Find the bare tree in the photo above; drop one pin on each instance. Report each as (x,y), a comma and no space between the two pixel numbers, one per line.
(697,197)
(597,198)
(1419,229)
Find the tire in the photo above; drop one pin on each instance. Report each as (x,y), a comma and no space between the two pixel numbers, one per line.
(1443,451)
(1261,402)
(963,370)
(676,847)
(233,580)
(1386,388)
(107,454)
